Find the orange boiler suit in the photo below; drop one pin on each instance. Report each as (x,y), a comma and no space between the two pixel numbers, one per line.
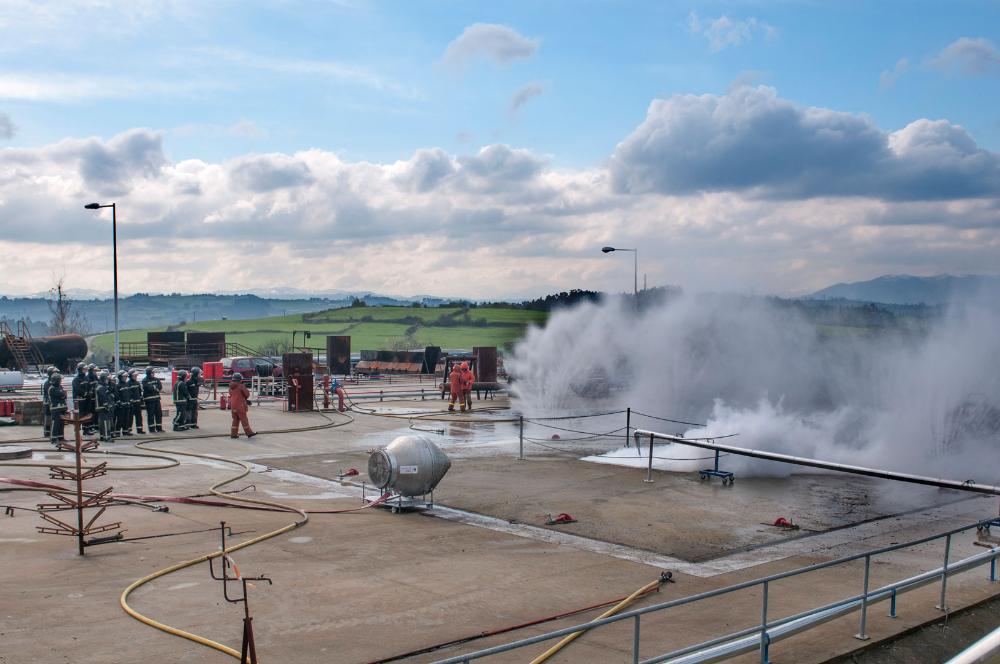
(238,397)
(456,379)
(467,379)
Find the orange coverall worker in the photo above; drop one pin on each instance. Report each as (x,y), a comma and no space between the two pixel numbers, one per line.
(467,379)
(456,378)
(238,396)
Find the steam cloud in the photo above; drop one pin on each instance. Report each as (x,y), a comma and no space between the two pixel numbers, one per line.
(922,401)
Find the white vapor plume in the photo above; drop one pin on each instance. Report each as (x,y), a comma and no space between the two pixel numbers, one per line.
(925,401)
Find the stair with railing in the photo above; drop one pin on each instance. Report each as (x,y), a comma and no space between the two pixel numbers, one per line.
(21,347)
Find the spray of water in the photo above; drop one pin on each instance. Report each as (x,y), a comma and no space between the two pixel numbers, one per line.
(915,400)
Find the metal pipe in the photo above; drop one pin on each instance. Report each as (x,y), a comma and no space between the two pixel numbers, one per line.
(968,485)
(980,651)
(944,575)
(862,635)
(628,425)
(114,244)
(520,438)
(649,466)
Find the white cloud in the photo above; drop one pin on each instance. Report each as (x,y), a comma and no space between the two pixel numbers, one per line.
(724,31)
(888,77)
(968,55)
(719,192)
(522,96)
(752,140)
(497,43)
(64,88)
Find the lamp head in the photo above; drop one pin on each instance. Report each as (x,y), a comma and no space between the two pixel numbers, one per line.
(607,250)
(92,206)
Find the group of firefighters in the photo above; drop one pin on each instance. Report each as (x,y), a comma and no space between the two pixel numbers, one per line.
(114,406)
(461,380)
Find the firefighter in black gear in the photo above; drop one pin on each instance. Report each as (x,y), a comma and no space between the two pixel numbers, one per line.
(193,384)
(123,406)
(57,408)
(104,399)
(46,413)
(78,387)
(135,400)
(181,401)
(151,388)
(90,397)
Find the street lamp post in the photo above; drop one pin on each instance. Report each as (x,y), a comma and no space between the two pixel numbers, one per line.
(635,265)
(114,245)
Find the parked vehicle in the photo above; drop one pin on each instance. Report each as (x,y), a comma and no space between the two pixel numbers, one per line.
(11,380)
(248,366)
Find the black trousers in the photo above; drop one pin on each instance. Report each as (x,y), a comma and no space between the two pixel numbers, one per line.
(180,419)
(88,407)
(46,420)
(123,417)
(105,423)
(154,415)
(137,414)
(192,412)
(56,428)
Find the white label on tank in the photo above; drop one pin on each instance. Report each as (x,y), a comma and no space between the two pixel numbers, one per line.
(408,470)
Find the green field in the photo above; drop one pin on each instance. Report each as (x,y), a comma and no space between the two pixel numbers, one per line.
(370,328)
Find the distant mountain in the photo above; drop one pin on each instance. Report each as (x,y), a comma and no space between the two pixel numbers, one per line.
(904,289)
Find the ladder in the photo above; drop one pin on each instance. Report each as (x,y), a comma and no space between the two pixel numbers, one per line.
(21,347)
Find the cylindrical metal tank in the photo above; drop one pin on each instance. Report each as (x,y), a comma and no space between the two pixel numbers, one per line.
(409,466)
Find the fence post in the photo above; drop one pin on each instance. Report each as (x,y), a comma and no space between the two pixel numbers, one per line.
(520,438)
(381,395)
(765,640)
(892,604)
(635,642)
(649,466)
(628,425)
(861,635)
(944,575)
(993,569)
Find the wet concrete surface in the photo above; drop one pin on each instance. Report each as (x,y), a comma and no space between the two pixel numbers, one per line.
(366,586)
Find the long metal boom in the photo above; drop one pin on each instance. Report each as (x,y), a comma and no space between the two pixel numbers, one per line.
(967,485)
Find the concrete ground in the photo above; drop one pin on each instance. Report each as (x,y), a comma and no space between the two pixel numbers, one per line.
(370,585)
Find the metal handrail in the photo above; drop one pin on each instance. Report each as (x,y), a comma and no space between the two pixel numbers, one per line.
(980,651)
(767,631)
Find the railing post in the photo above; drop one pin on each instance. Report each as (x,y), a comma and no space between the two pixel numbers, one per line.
(765,640)
(892,604)
(381,395)
(649,466)
(635,642)
(421,394)
(944,575)
(520,438)
(861,635)
(993,569)
(628,425)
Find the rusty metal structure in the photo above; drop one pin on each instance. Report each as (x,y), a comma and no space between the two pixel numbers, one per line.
(18,350)
(248,651)
(338,354)
(75,499)
(400,361)
(185,349)
(297,369)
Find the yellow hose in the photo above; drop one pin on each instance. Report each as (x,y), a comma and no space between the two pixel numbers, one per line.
(123,600)
(566,640)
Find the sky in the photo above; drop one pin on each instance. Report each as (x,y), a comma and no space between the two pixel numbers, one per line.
(489,150)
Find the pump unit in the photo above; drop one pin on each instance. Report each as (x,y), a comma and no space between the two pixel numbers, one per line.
(409,466)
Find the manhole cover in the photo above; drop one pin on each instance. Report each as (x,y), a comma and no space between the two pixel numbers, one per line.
(15,452)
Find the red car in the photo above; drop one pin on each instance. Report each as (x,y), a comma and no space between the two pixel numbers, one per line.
(250,366)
